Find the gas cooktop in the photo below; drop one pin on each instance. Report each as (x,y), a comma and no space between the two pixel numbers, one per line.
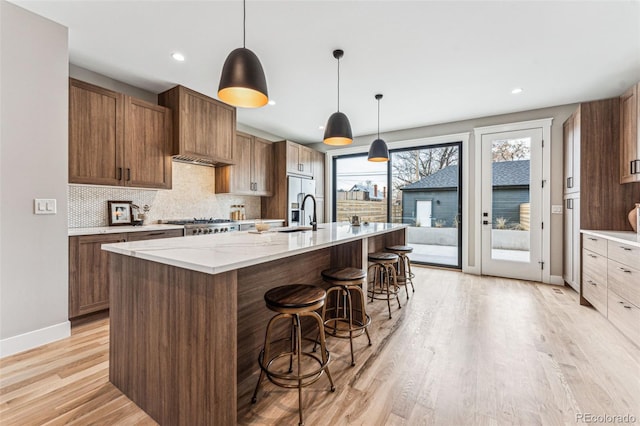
(195,221)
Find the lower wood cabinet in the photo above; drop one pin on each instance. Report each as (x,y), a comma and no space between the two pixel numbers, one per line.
(89,268)
(611,281)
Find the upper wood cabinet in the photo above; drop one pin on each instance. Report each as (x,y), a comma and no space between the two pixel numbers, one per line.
(630,135)
(252,172)
(317,167)
(115,139)
(299,159)
(96,134)
(147,144)
(203,128)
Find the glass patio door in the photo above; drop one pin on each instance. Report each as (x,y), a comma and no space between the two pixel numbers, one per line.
(512,204)
(427,194)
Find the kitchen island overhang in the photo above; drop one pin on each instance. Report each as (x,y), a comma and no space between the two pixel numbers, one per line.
(188,315)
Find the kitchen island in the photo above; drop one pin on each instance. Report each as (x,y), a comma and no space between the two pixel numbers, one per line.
(188,315)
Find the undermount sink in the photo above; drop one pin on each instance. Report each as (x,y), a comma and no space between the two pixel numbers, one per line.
(296,229)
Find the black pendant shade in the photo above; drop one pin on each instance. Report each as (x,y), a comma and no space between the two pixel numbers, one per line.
(242,82)
(338,129)
(378,150)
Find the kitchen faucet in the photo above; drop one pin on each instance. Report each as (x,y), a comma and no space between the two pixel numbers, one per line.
(314,221)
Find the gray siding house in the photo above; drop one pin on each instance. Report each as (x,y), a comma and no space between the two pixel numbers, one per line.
(434,198)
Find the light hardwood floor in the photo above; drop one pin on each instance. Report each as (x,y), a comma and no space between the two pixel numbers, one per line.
(463,350)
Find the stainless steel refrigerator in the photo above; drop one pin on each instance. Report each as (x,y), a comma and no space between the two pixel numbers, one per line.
(297,189)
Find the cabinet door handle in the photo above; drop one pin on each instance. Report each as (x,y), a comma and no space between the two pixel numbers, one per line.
(128,174)
(569,182)
(570,204)
(636,167)
(592,239)
(592,283)
(119,173)
(625,248)
(624,270)
(153,234)
(593,255)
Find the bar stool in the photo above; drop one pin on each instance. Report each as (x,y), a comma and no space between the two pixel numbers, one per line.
(339,320)
(384,283)
(293,302)
(405,276)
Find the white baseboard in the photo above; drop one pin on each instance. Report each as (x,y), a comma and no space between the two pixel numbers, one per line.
(556,280)
(33,339)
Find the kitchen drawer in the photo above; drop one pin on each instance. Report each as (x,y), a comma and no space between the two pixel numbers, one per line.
(624,315)
(594,244)
(625,281)
(154,235)
(595,292)
(624,253)
(594,266)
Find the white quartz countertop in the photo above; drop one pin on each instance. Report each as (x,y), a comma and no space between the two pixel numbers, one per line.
(213,254)
(117,229)
(624,237)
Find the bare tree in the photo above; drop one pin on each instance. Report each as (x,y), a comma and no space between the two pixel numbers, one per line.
(411,166)
(511,150)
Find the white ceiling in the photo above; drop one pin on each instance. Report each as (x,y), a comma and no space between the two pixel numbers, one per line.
(434,62)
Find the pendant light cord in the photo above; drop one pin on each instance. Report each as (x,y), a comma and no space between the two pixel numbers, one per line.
(244,23)
(378,118)
(338,84)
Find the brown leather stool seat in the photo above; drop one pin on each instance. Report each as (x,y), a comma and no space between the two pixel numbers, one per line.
(292,302)
(347,317)
(403,268)
(383,281)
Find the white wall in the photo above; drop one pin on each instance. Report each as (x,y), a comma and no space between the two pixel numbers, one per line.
(559,115)
(33,164)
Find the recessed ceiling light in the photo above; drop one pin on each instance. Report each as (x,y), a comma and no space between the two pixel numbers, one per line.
(178,56)
(517,90)
(271,102)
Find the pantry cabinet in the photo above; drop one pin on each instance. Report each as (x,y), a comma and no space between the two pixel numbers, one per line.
(116,139)
(204,129)
(630,135)
(252,173)
(89,268)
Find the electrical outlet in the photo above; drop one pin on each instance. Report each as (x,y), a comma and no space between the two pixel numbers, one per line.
(556,209)
(45,206)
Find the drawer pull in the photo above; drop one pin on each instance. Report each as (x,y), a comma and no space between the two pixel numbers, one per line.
(625,248)
(591,282)
(627,307)
(593,255)
(624,270)
(592,239)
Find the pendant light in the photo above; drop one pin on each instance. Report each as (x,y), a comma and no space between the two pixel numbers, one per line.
(338,129)
(378,150)
(242,82)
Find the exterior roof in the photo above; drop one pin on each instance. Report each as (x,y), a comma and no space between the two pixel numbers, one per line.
(505,173)
(369,189)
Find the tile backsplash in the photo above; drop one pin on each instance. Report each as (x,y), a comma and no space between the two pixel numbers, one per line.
(193,195)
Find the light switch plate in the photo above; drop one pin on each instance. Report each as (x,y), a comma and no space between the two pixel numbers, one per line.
(45,206)
(556,209)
